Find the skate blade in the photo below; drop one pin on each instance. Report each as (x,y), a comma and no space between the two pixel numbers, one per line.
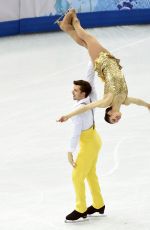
(76,221)
(96,215)
(61,16)
(58,20)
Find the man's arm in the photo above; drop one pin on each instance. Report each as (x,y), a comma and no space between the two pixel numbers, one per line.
(71,160)
(77,128)
(136,101)
(90,78)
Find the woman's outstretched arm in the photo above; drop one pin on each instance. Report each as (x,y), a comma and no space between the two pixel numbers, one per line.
(136,101)
(103,103)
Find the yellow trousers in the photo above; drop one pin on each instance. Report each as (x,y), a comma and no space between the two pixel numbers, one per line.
(90,144)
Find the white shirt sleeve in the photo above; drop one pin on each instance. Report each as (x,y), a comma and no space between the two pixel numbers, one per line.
(90,78)
(78,125)
(77,128)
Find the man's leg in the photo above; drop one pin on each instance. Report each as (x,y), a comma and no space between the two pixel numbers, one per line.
(85,167)
(92,179)
(93,182)
(89,147)
(78,177)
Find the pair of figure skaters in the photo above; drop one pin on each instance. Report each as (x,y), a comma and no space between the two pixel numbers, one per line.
(84,132)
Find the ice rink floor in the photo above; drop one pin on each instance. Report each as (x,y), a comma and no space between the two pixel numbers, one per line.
(36,75)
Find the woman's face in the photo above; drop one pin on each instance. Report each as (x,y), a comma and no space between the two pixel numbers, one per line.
(114,116)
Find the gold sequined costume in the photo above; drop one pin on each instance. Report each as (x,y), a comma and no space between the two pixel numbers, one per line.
(109,70)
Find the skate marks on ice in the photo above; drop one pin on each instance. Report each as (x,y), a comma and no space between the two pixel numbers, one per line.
(116,153)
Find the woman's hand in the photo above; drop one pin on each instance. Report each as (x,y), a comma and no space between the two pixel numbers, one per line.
(62,119)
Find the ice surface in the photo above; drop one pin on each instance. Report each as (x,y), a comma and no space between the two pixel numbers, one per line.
(36,74)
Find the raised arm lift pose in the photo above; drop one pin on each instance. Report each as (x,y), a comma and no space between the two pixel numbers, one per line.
(84,167)
(108,69)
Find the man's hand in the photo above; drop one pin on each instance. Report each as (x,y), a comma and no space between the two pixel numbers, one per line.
(62,119)
(70,159)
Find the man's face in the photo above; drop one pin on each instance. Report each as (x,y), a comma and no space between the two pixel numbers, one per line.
(114,116)
(77,94)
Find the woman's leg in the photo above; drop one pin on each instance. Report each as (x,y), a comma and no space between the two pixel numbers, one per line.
(66,26)
(93,46)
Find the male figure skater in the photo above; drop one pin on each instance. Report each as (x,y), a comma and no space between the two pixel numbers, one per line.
(108,68)
(89,140)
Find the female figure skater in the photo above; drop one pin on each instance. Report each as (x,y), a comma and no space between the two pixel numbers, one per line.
(108,69)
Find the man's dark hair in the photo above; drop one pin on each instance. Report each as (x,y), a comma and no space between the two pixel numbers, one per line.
(85,86)
(107,116)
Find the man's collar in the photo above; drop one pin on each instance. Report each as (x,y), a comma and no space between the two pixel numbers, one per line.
(84,100)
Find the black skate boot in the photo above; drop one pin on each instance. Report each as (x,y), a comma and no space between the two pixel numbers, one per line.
(91,210)
(74,216)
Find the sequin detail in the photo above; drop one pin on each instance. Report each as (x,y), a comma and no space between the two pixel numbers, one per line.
(109,70)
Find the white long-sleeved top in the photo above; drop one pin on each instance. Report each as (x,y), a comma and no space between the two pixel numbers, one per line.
(84,120)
